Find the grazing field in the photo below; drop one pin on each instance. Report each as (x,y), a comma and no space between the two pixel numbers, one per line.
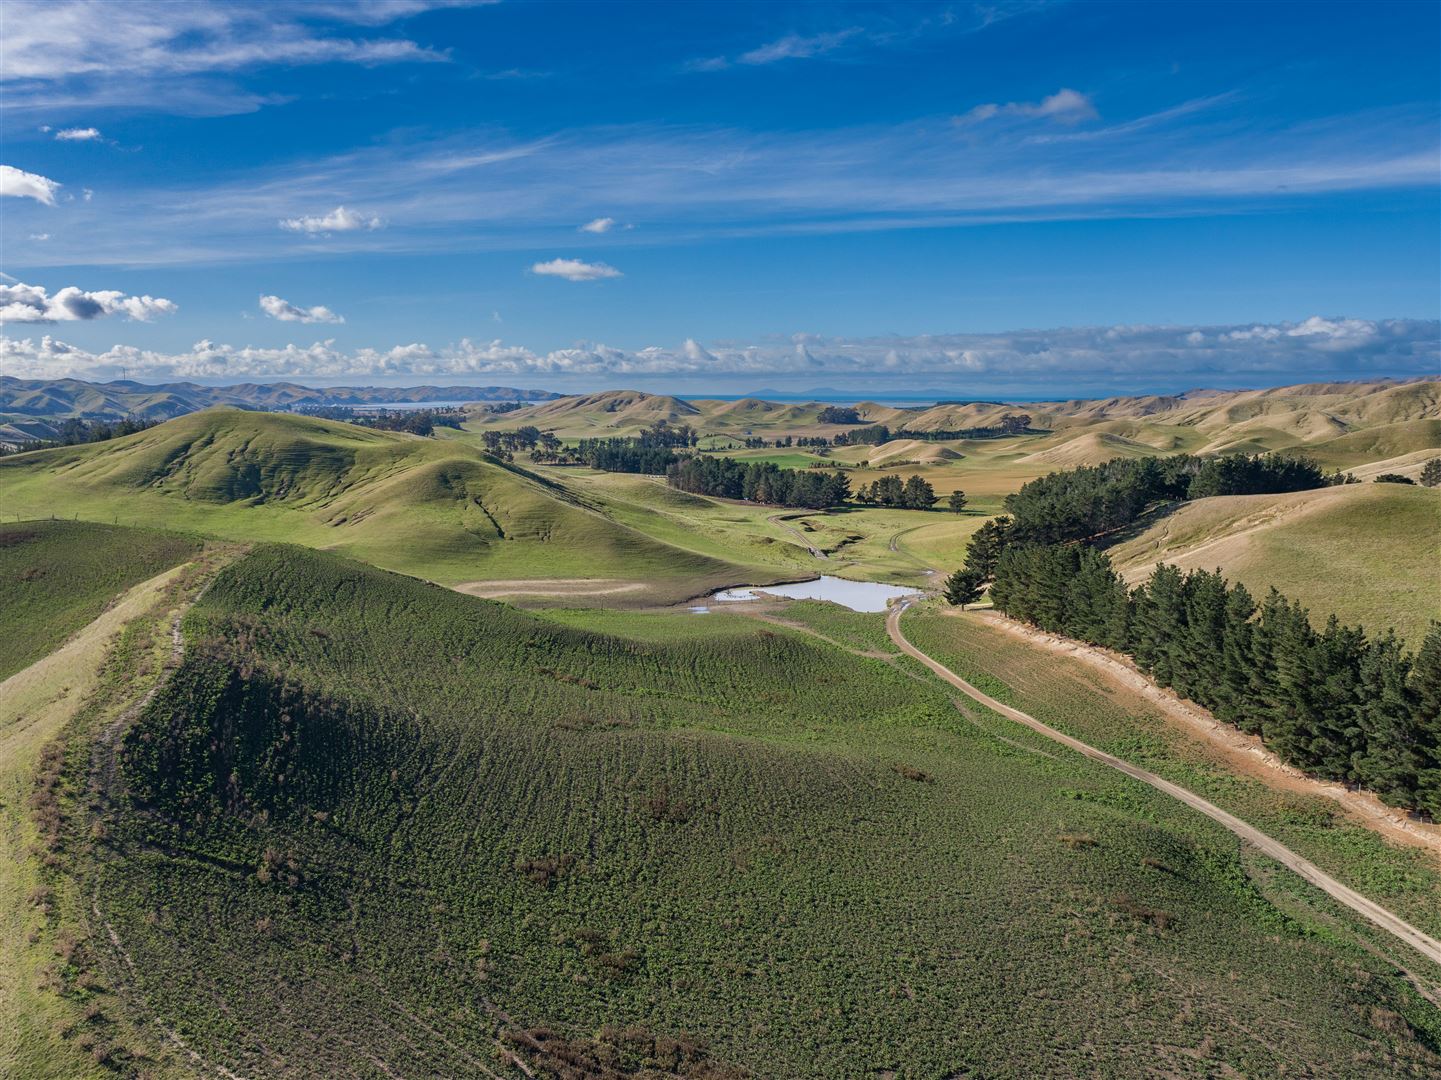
(56,576)
(1369,553)
(373,826)
(1114,717)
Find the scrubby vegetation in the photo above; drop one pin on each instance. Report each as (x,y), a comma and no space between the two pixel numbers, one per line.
(372,825)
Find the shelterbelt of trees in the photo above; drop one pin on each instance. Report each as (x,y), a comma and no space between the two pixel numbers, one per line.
(1334,702)
(1086,502)
(876,434)
(759,481)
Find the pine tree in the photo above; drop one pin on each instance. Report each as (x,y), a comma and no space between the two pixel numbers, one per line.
(1425,688)
(956,502)
(985,547)
(963,587)
(1157,622)
(1390,760)
(1237,678)
(1431,473)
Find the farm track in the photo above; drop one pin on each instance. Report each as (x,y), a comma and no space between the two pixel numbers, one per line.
(1426,945)
(779,521)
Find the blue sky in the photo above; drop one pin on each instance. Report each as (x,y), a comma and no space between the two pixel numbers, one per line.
(1023,198)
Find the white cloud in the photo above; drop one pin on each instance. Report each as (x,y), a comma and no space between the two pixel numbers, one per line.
(40,236)
(599,225)
(21,303)
(285,311)
(338,220)
(575,270)
(1266,354)
(798,47)
(87,134)
(46,40)
(27,185)
(1065,106)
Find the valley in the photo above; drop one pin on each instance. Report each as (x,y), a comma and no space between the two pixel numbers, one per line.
(406,757)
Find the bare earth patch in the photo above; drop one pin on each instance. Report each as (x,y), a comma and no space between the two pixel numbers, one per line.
(492,590)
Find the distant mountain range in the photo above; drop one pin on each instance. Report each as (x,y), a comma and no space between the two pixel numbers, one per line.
(31,408)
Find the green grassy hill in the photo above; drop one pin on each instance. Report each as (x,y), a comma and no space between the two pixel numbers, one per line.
(1370,553)
(55,576)
(373,827)
(440,509)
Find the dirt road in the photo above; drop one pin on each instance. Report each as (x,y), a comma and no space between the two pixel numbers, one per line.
(1427,946)
(779,521)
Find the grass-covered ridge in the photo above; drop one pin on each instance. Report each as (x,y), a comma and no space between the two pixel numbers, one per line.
(56,576)
(440,509)
(1368,553)
(374,825)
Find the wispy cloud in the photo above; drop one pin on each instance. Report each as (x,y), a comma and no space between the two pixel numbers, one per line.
(1065,106)
(1316,347)
(575,270)
(798,46)
(104,54)
(483,190)
(285,311)
(21,303)
(85,134)
(338,220)
(27,185)
(599,225)
(1156,119)
(878,31)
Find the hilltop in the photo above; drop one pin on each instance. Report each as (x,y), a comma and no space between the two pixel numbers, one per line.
(442,509)
(1201,421)
(1369,553)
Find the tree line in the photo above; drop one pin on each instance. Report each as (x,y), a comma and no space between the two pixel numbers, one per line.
(876,434)
(758,481)
(414,421)
(1077,504)
(914,493)
(1334,702)
(74,432)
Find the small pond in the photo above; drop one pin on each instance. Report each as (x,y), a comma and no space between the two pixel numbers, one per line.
(856,595)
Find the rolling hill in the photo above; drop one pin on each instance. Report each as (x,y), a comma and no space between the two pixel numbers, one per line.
(1370,553)
(32,408)
(436,508)
(1383,417)
(372,827)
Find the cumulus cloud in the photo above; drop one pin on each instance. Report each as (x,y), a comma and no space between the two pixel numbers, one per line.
(86,134)
(1065,106)
(338,220)
(599,225)
(21,303)
(285,311)
(575,270)
(1070,357)
(27,185)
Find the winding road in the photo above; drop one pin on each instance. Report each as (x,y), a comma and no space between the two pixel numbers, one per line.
(1426,945)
